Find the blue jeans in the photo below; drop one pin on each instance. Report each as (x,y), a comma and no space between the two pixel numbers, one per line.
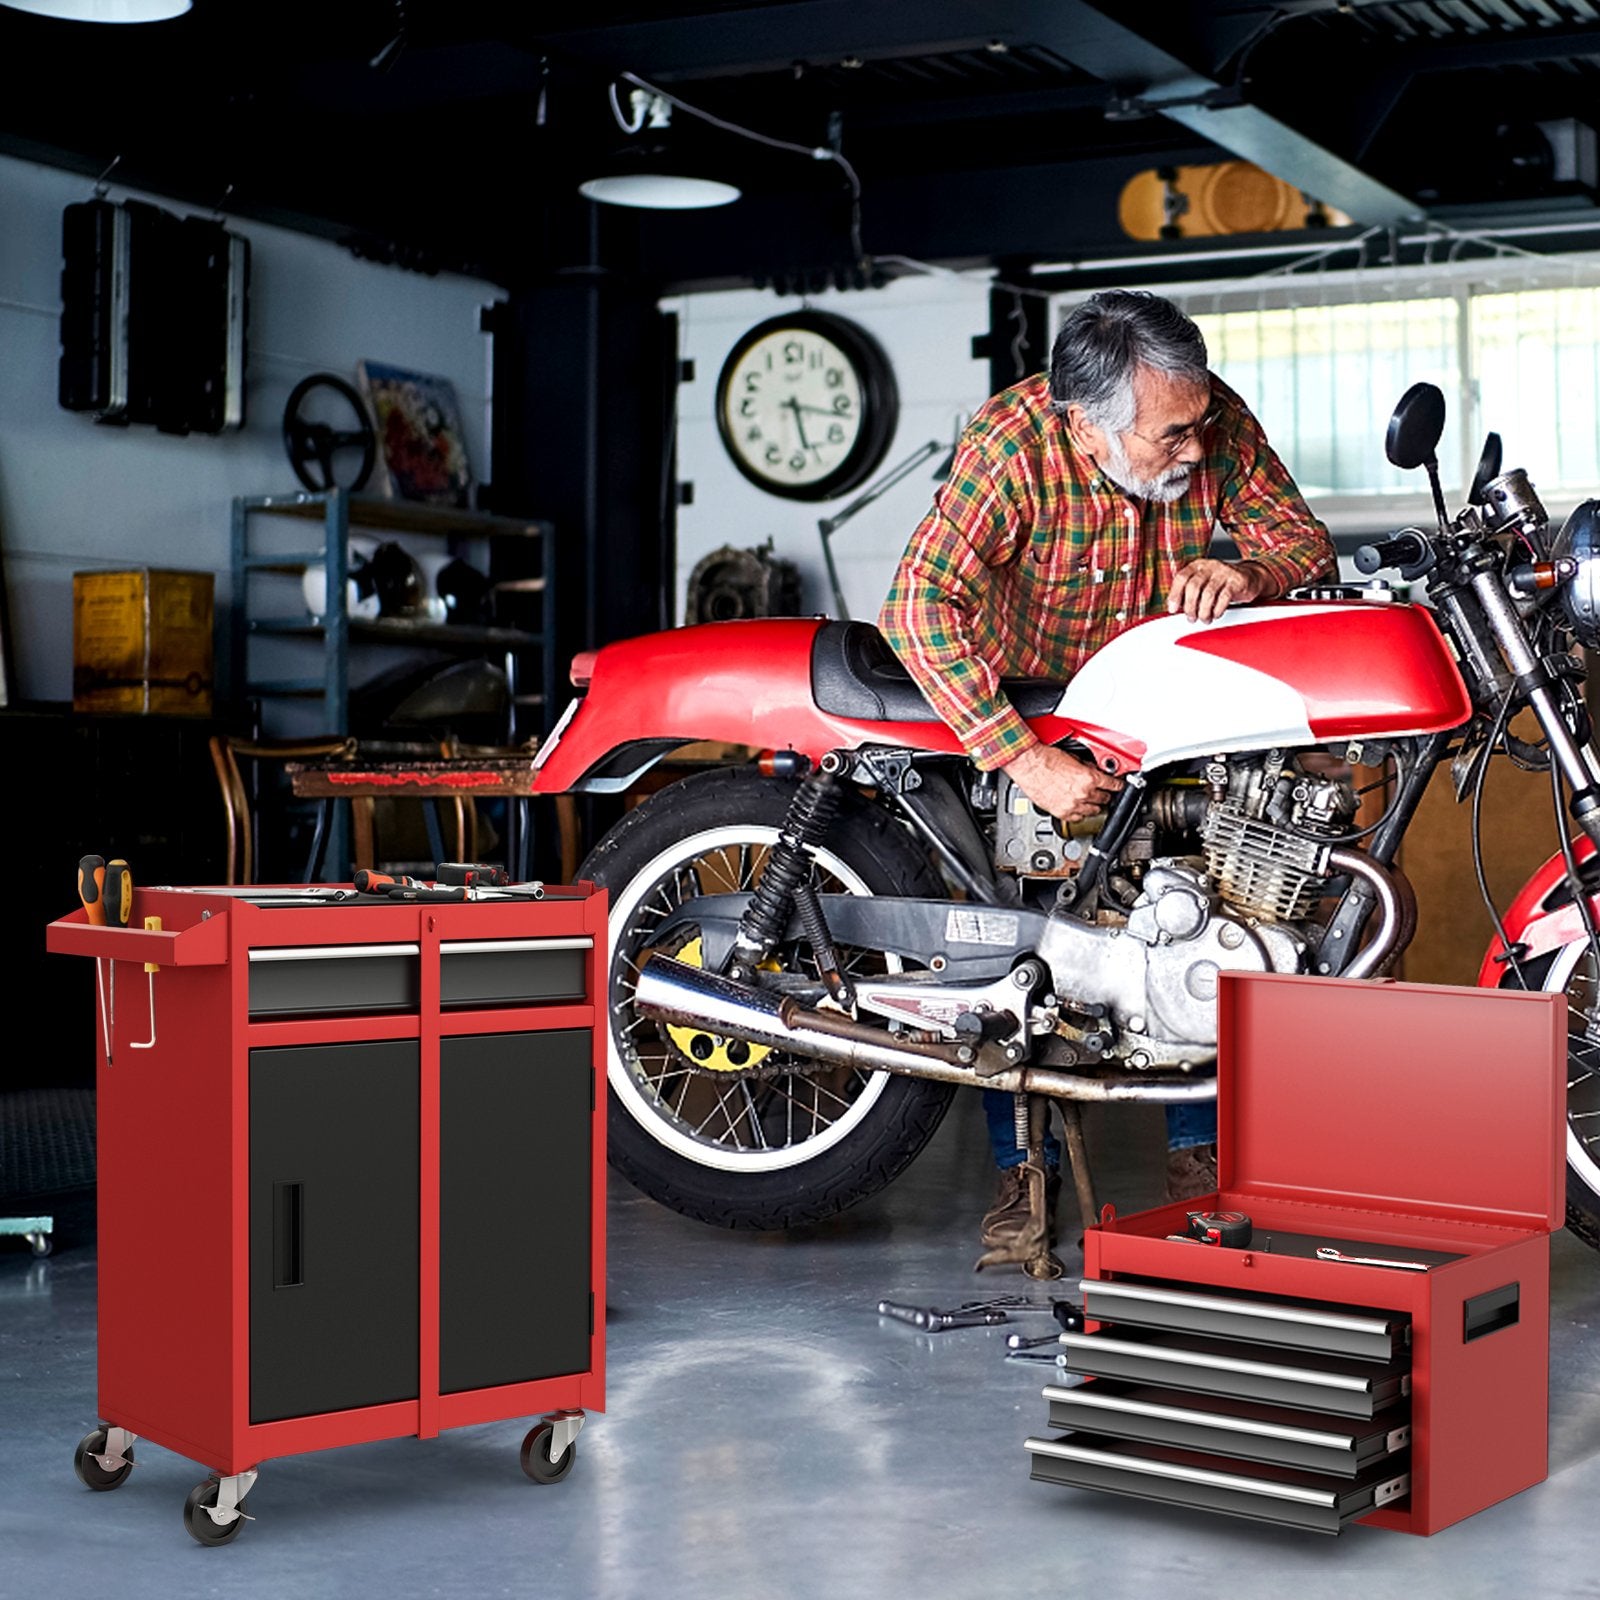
(1187,1125)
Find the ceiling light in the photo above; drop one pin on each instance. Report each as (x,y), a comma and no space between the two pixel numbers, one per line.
(102,10)
(647,173)
(658,191)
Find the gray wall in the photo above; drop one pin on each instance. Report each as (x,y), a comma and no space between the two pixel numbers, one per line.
(76,495)
(926,326)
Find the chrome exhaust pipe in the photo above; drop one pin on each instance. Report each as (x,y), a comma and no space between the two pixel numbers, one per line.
(670,991)
(1397,910)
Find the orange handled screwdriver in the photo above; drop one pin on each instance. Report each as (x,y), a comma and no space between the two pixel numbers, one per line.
(91,888)
(370,882)
(118,893)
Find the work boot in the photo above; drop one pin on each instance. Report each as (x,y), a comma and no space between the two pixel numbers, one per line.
(1191,1172)
(1007,1217)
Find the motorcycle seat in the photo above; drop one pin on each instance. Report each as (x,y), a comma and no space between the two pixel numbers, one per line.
(855,674)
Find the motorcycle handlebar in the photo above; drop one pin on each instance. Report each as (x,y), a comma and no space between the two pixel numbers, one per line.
(1409,551)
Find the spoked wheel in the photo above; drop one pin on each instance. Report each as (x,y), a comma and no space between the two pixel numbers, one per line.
(746,1136)
(1571,970)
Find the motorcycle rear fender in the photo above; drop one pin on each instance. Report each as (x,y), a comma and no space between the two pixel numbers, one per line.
(740,683)
(1534,922)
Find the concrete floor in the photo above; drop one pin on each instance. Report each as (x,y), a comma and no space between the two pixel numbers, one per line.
(767,1435)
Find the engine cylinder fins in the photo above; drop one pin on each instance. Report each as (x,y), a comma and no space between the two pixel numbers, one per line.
(1270,871)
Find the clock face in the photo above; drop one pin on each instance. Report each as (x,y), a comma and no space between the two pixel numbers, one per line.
(806,405)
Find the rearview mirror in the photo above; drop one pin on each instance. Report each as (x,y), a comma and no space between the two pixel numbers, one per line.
(1416,426)
(1488,470)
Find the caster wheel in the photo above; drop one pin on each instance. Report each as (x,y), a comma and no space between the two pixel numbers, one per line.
(536,1460)
(41,1243)
(90,1471)
(199,1521)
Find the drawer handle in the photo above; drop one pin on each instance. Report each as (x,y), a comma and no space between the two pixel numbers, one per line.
(1264,1310)
(1187,1358)
(334,952)
(288,1235)
(1491,1311)
(1166,1469)
(1083,1395)
(495,947)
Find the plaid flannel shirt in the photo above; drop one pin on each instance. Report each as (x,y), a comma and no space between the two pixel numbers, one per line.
(1031,559)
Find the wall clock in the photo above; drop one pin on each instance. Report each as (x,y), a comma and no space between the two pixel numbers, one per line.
(806,405)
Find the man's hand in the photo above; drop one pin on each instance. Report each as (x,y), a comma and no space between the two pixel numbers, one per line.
(1060,784)
(1204,589)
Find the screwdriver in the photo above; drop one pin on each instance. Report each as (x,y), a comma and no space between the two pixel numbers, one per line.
(91,888)
(370,882)
(118,893)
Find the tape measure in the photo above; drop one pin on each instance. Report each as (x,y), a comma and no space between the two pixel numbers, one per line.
(1230,1229)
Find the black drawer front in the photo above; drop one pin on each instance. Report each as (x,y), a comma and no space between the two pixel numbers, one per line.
(1334,1384)
(1215,1425)
(512,972)
(1285,1324)
(347,980)
(1180,1477)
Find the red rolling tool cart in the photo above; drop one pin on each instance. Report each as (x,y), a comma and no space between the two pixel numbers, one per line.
(382,1126)
(1378,1349)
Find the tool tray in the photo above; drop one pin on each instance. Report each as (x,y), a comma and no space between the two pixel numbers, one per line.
(1267,1383)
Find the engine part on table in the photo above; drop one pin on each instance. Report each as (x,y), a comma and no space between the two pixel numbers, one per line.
(731,584)
(154,314)
(337,454)
(470,699)
(466,592)
(1231,1230)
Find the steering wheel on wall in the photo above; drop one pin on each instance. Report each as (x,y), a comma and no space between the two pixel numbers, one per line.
(313,443)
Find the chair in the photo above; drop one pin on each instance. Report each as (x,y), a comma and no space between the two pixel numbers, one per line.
(239,814)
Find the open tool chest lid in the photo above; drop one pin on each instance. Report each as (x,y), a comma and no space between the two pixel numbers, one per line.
(1408,1098)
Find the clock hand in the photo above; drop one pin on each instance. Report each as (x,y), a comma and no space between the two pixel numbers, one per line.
(795,406)
(821,411)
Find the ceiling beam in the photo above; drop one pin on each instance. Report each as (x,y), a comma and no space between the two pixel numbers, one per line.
(1158,81)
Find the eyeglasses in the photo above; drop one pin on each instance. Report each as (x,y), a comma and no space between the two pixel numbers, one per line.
(1171,443)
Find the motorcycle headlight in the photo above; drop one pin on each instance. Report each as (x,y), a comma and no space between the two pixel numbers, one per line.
(1579,541)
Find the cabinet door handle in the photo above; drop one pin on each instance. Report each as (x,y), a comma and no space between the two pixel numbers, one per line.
(288,1235)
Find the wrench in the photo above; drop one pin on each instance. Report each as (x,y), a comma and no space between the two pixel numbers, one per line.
(1326,1252)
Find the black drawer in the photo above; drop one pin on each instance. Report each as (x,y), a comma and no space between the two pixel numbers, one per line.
(1336,1384)
(512,972)
(1241,1489)
(316,980)
(1334,1446)
(1288,1324)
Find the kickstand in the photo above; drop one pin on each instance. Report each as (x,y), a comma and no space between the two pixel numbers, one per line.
(1031,1248)
(1078,1155)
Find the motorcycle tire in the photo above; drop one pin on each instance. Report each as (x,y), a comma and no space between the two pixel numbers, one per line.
(1571,970)
(738,1153)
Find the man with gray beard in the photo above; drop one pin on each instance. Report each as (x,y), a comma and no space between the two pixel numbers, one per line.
(1080,502)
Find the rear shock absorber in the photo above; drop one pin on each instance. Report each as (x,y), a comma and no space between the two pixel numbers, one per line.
(811,812)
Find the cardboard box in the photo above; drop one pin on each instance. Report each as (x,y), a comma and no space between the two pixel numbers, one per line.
(142,642)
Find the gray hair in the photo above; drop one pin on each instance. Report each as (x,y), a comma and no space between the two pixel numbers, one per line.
(1106,339)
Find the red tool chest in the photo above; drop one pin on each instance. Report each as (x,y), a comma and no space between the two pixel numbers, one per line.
(1398,1122)
(351,1175)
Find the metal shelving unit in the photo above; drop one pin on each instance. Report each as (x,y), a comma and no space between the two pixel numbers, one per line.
(519,567)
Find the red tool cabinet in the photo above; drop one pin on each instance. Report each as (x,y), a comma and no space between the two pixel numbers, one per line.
(1403,1122)
(351,1176)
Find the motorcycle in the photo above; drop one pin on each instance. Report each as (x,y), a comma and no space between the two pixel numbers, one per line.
(812,952)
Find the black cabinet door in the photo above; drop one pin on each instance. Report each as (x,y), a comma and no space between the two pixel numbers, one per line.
(515,1125)
(334,1196)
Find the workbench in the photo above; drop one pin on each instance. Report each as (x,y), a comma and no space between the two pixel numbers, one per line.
(351,1176)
